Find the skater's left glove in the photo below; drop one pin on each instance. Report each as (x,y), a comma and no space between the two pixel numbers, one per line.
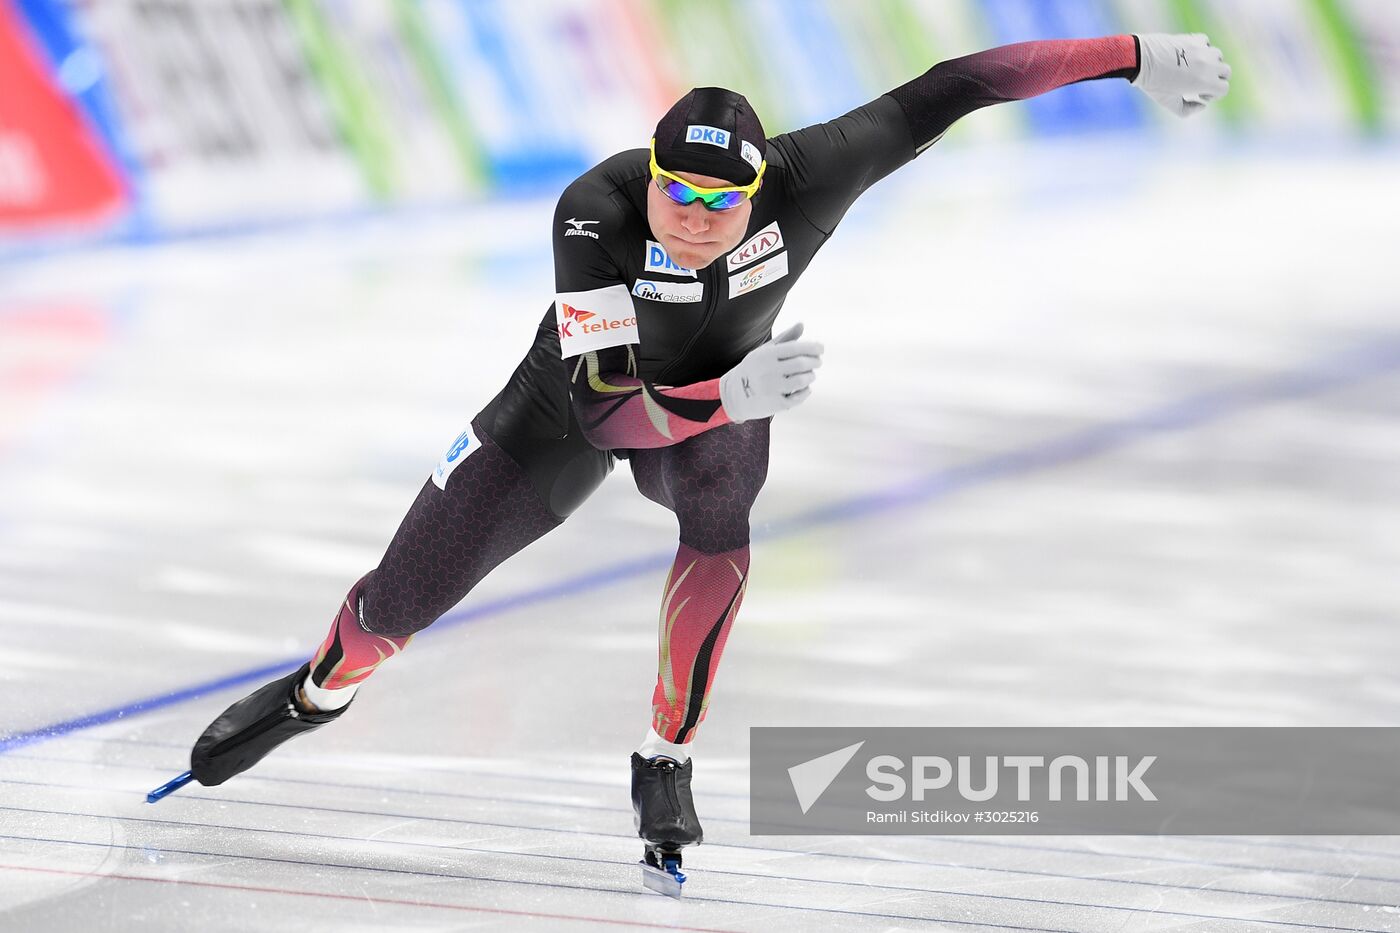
(1183,73)
(773,377)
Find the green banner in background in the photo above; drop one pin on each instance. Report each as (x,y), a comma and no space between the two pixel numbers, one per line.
(349,96)
(1235,109)
(735,62)
(914,48)
(475,170)
(262,110)
(1339,34)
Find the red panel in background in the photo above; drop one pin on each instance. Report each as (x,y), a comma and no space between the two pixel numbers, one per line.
(52,171)
(44,350)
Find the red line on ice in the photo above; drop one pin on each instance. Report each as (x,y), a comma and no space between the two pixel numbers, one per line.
(357,897)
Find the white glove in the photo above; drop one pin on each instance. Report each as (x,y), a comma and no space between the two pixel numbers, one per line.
(771,378)
(1182,72)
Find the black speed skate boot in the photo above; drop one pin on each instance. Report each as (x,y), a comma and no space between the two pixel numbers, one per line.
(664,814)
(255,725)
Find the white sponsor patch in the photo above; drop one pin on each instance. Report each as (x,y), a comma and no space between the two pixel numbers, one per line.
(592,320)
(576,228)
(463,447)
(673,292)
(658,260)
(770,270)
(768,240)
(700,133)
(749,152)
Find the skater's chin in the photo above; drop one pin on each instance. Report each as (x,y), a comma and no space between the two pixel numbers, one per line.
(692,254)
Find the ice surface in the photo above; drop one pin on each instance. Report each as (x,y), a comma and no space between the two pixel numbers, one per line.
(1104,437)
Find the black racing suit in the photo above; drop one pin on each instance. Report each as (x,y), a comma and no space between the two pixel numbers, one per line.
(546,441)
(602,241)
(813,176)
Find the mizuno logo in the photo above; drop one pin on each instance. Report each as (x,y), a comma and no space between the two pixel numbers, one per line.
(578,226)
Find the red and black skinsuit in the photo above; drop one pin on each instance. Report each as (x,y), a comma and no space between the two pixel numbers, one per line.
(551,436)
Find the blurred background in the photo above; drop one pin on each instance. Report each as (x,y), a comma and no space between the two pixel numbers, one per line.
(1106,435)
(138,120)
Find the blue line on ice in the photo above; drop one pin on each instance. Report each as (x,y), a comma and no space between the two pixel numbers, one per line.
(1377,357)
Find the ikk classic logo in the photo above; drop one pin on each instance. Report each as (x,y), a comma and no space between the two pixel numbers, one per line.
(768,240)
(749,152)
(595,319)
(672,292)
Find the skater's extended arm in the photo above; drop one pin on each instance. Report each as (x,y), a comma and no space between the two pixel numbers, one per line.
(831,163)
(950,90)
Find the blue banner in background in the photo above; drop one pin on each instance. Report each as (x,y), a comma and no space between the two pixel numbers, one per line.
(816,60)
(526,95)
(1091,106)
(528,146)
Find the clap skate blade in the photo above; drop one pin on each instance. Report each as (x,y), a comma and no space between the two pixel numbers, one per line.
(169,787)
(661,871)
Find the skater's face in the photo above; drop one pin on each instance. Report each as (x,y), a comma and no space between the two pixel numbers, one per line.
(693,235)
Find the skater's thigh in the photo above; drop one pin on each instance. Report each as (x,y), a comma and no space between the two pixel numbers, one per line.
(477,509)
(724,467)
(509,479)
(532,421)
(709,481)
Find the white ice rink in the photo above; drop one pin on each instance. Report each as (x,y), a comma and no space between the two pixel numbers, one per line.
(1102,438)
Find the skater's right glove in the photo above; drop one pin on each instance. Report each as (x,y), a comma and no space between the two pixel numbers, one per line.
(772,378)
(1181,72)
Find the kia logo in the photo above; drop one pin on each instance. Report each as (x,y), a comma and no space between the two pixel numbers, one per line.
(760,245)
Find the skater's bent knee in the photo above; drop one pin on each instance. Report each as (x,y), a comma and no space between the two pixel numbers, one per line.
(394,631)
(715,534)
(395,624)
(384,611)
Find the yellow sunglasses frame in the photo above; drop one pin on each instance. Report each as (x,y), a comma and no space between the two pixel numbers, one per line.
(749,190)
